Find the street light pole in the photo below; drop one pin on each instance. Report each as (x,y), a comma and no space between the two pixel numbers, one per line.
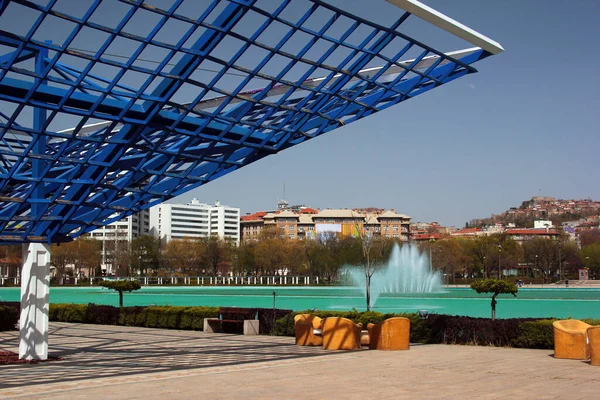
(430,256)
(485,274)
(499,254)
(559,262)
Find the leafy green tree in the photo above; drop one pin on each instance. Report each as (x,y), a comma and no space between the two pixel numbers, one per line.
(448,256)
(296,258)
(145,253)
(11,259)
(482,250)
(243,258)
(184,255)
(590,255)
(121,286)
(549,256)
(85,253)
(216,253)
(270,254)
(496,287)
(61,257)
(589,237)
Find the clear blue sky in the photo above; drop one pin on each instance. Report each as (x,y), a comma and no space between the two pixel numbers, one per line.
(527,124)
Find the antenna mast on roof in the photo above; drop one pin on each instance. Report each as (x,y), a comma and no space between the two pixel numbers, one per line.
(283,204)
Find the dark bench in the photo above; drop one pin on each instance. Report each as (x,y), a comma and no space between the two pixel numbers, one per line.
(234,320)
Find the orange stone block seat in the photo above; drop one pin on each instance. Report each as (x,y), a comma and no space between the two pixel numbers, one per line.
(570,339)
(341,334)
(593,333)
(391,334)
(306,326)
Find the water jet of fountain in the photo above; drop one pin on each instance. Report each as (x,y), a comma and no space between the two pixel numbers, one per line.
(407,271)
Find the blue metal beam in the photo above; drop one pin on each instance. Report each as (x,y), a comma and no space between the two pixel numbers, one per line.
(248,72)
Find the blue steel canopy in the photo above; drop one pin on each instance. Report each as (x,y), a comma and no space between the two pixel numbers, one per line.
(163,100)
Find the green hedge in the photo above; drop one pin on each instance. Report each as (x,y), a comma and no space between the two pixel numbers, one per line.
(68,313)
(9,316)
(188,318)
(535,335)
(446,329)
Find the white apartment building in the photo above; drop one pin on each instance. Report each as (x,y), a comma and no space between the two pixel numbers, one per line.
(194,220)
(127,229)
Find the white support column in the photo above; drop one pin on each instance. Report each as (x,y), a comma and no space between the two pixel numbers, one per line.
(35,299)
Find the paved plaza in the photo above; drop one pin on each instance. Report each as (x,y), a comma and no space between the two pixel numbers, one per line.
(114,362)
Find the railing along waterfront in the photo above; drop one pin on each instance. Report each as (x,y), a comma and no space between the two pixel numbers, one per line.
(184,281)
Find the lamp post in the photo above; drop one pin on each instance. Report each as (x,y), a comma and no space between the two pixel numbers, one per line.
(430,256)
(559,261)
(485,274)
(499,254)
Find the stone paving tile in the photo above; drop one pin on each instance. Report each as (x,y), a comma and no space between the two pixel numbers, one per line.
(109,362)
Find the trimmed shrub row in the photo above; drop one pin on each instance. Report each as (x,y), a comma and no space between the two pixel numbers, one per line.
(186,318)
(9,316)
(446,329)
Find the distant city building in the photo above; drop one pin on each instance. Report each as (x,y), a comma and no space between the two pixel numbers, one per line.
(521,235)
(542,224)
(195,220)
(421,231)
(307,223)
(469,233)
(124,230)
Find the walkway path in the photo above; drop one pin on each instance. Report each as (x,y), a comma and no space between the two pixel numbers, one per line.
(110,362)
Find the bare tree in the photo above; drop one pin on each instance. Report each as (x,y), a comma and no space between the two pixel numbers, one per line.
(374,250)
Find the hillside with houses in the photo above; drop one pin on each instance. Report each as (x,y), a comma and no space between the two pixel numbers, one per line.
(560,212)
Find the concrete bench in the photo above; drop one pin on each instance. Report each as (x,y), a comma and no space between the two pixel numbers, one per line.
(215,325)
(242,319)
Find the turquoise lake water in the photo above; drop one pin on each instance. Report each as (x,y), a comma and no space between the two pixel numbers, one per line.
(555,302)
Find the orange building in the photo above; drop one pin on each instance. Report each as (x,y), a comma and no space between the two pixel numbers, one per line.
(307,223)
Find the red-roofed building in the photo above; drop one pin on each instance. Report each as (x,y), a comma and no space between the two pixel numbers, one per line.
(251,225)
(425,236)
(469,233)
(521,234)
(306,222)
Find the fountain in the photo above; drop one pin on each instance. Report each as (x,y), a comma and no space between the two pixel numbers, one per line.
(407,271)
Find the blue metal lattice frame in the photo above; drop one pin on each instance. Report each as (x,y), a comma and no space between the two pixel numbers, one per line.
(135,146)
